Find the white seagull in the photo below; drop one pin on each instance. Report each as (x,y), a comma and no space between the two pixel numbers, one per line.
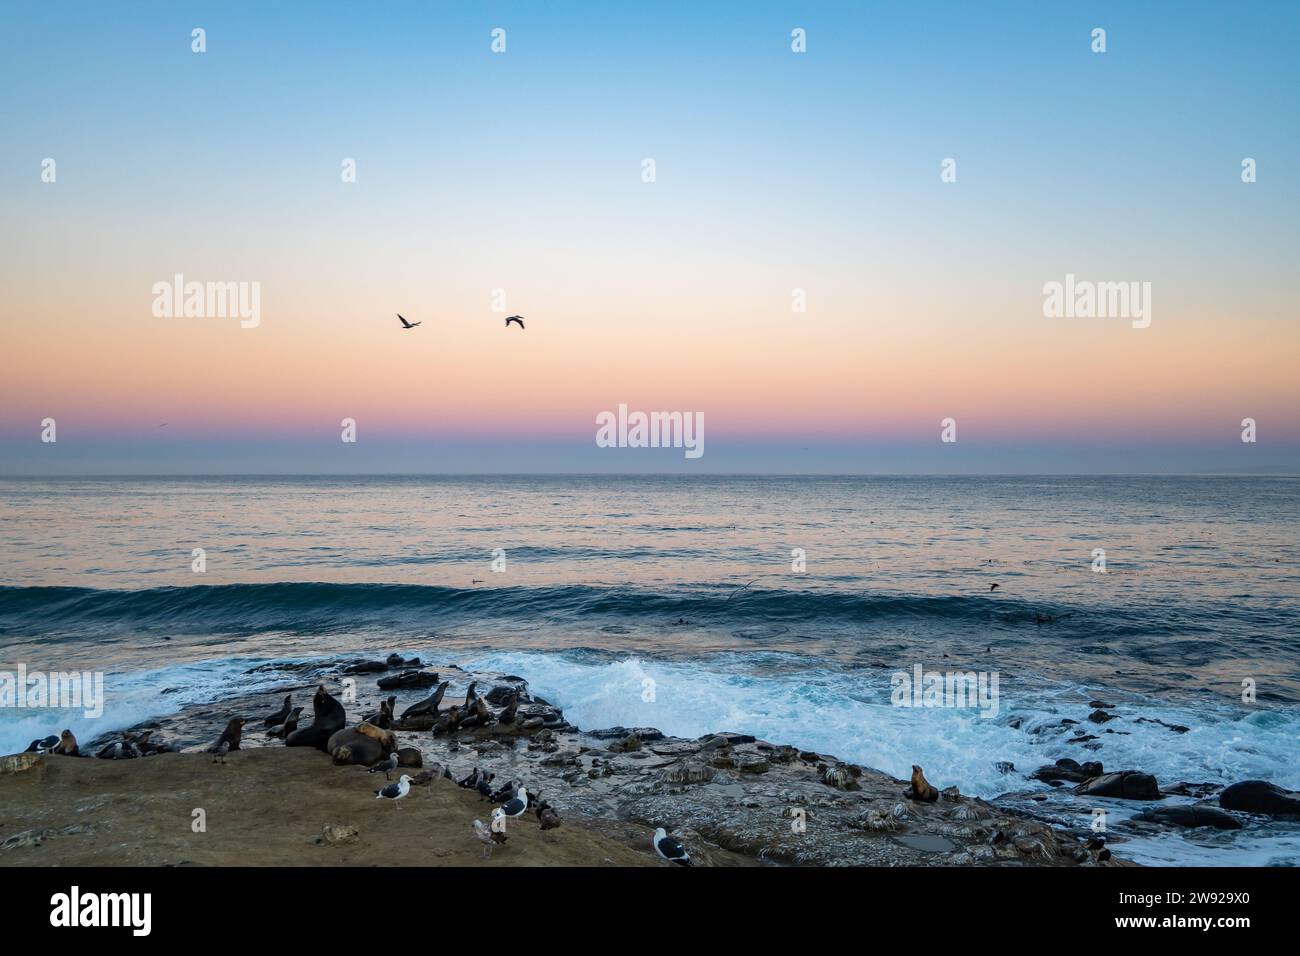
(395,791)
(669,849)
(515,806)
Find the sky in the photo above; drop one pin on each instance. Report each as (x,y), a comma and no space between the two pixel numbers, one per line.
(493,183)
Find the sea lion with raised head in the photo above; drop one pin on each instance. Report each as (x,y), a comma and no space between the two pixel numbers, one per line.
(920,789)
(67,745)
(429,705)
(330,717)
(274,720)
(507,716)
(289,726)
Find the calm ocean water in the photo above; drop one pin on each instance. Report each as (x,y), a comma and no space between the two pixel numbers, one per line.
(695,584)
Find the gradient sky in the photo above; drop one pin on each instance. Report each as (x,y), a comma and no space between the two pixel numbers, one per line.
(776,171)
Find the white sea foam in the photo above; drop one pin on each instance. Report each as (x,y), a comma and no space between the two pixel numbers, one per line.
(135,696)
(849,715)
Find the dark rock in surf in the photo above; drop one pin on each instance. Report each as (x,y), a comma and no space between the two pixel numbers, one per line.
(1259,796)
(1198,816)
(1124,785)
(409,679)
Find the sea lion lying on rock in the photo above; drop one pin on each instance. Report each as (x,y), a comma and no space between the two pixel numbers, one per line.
(363,744)
(329,718)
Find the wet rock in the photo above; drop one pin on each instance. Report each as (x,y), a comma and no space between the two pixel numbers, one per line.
(626,745)
(409,680)
(332,835)
(1100,717)
(686,773)
(18,763)
(1005,767)
(1125,785)
(755,765)
(1259,796)
(366,667)
(396,660)
(839,777)
(1067,770)
(646,734)
(1197,816)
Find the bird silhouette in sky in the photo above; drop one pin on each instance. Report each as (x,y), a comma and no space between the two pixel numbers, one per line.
(519,319)
(408,325)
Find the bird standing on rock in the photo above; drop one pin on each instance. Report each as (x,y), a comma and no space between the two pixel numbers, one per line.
(395,791)
(488,836)
(386,766)
(667,848)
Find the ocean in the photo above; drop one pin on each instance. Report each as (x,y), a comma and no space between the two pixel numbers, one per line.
(783,607)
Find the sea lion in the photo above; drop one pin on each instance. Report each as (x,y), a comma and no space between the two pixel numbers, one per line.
(67,744)
(920,789)
(231,735)
(449,720)
(429,705)
(274,720)
(364,744)
(469,694)
(289,726)
(384,718)
(330,717)
(547,817)
(507,716)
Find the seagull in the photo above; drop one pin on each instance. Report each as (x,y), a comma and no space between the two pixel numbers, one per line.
(669,849)
(408,325)
(515,806)
(395,791)
(488,837)
(517,319)
(220,750)
(386,766)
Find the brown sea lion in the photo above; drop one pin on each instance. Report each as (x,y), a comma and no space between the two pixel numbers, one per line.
(329,718)
(232,734)
(920,789)
(67,744)
(507,716)
(289,726)
(274,720)
(387,739)
(428,706)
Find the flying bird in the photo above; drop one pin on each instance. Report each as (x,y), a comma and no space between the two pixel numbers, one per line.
(669,849)
(993,587)
(517,319)
(408,325)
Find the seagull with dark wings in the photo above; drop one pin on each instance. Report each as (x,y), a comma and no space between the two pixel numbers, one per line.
(517,319)
(408,325)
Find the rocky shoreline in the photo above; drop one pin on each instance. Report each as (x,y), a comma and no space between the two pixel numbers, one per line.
(730,798)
